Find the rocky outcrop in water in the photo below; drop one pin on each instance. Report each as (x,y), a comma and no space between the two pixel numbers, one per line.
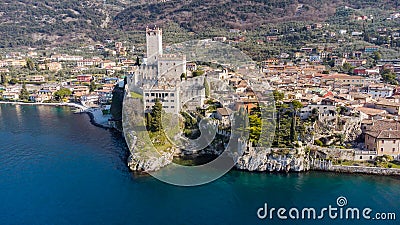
(138,162)
(147,161)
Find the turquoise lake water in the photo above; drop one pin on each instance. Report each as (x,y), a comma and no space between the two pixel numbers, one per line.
(57,168)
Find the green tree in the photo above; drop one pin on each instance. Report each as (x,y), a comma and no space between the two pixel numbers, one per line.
(347,67)
(278,96)
(297,105)
(137,61)
(29,64)
(318,142)
(62,93)
(197,73)
(156,114)
(255,127)
(183,76)
(24,94)
(207,88)
(93,86)
(377,56)
(293,128)
(13,81)
(389,76)
(3,79)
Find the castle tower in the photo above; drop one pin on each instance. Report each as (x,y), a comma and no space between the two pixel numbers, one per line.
(154,45)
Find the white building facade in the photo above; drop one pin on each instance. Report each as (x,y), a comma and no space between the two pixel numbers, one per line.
(159,77)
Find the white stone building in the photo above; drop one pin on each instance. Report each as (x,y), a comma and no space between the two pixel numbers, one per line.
(159,77)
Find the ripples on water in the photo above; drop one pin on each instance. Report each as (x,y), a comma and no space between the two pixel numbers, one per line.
(57,168)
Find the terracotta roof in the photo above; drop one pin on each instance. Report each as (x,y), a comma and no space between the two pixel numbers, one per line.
(388,103)
(379,125)
(342,76)
(371,111)
(222,112)
(384,129)
(385,134)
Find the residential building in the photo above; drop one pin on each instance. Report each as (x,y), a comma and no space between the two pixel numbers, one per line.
(10,95)
(36,79)
(379,90)
(66,58)
(107,64)
(383,136)
(79,91)
(356,62)
(360,70)
(84,78)
(369,49)
(343,79)
(370,113)
(390,107)
(222,115)
(323,111)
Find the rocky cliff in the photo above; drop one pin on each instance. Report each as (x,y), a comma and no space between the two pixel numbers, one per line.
(257,159)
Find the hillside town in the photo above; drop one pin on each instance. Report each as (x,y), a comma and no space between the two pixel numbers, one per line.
(37,78)
(346,105)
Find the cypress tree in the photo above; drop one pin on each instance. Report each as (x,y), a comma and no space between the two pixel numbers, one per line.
(156,124)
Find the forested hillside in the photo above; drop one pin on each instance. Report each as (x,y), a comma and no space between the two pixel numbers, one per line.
(47,22)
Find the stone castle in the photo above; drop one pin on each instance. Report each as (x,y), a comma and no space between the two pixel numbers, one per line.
(159,77)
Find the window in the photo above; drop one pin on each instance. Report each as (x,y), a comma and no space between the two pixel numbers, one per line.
(383,141)
(394,141)
(172,100)
(172,94)
(370,157)
(394,149)
(152,94)
(172,107)
(147,95)
(360,157)
(381,149)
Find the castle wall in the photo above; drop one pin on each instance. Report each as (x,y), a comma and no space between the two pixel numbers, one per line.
(171,66)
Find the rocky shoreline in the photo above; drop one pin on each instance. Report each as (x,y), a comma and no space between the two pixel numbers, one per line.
(98,119)
(362,170)
(266,161)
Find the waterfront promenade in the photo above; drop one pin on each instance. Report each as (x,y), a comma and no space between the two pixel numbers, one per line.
(96,115)
(69,104)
